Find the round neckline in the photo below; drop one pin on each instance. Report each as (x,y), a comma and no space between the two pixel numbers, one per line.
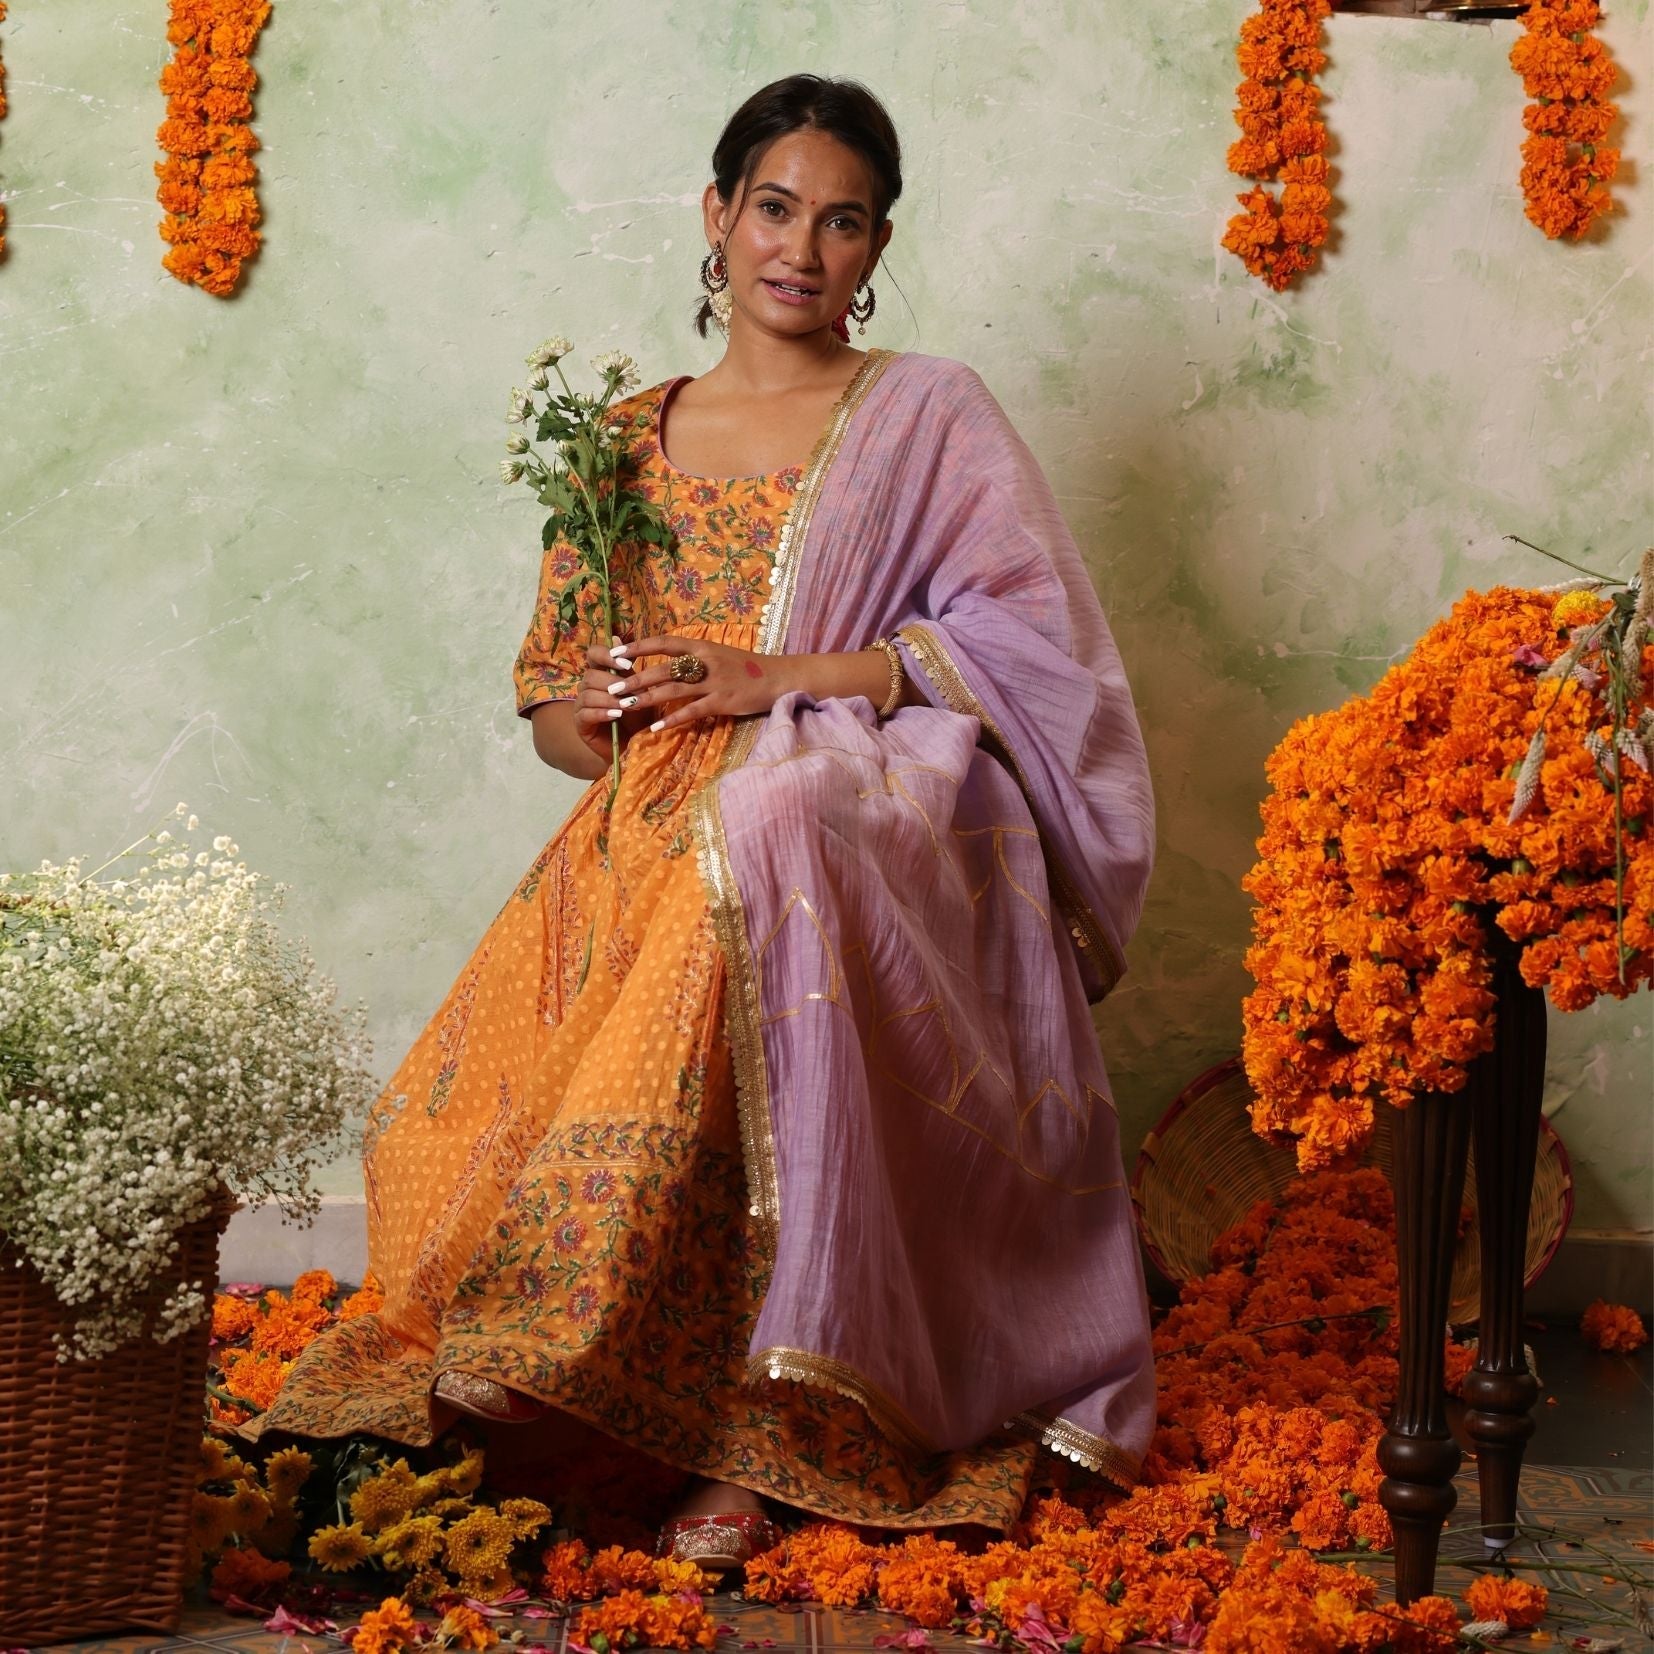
(673,385)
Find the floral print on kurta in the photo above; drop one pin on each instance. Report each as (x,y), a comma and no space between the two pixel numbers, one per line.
(556,1197)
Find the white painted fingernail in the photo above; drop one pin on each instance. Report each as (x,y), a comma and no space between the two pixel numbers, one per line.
(618,684)
(629,700)
(620,665)
(659,723)
(613,712)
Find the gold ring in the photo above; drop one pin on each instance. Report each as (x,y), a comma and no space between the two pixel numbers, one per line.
(687,669)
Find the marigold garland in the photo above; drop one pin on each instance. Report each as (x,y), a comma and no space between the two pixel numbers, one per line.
(2,117)
(1567,71)
(1388,850)
(1283,139)
(207,181)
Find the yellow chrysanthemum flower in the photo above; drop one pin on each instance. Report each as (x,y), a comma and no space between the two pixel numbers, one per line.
(218,1463)
(410,1543)
(526,1516)
(466,1476)
(287,1471)
(478,1545)
(210,1521)
(340,1548)
(385,1498)
(249,1509)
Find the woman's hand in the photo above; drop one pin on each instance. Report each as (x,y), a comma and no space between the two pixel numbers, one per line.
(737,684)
(596,711)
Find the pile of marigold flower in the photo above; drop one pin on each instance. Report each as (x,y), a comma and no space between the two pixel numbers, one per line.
(1283,139)
(1275,1371)
(207,180)
(258,1332)
(1390,848)
(1567,71)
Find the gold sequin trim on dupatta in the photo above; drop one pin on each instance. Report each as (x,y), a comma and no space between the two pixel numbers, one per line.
(752,1092)
(1071,1442)
(824,1373)
(1083,925)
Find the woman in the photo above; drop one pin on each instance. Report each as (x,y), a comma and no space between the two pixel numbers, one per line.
(765,1131)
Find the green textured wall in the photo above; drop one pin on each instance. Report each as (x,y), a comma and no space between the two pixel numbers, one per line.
(254,555)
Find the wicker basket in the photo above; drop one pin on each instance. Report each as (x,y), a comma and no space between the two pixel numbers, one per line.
(98,1463)
(1202,1169)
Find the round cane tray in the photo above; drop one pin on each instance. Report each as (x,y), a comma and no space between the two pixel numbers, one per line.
(1203,1168)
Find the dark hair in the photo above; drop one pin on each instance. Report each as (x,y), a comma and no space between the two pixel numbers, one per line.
(843,109)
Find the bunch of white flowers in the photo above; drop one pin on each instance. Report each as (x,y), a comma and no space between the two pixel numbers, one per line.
(159,1042)
(578,477)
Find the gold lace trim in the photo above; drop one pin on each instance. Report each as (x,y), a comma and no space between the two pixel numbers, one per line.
(789,549)
(824,1373)
(1083,924)
(1071,1442)
(752,1092)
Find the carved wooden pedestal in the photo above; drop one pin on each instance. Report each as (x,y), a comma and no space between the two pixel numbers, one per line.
(1419,1457)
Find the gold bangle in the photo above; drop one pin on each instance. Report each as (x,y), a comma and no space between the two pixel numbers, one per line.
(897,675)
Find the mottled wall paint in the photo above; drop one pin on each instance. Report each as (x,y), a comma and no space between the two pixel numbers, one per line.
(255,556)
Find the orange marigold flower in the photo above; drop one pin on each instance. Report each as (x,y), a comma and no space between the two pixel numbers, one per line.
(466,1628)
(1514,1601)
(313,1286)
(1614,1327)
(563,1573)
(244,1572)
(388,1629)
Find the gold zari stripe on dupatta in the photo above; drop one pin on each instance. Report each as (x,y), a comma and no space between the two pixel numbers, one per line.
(742,1008)
(1083,925)
(1094,1452)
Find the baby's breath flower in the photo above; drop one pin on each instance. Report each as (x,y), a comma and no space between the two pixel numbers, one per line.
(159,1041)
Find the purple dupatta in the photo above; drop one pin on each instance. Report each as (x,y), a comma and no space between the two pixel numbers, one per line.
(915,916)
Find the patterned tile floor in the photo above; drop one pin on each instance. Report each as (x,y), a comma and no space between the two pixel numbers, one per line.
(1587,1497)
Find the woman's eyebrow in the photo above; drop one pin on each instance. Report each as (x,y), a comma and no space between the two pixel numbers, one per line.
(832,206)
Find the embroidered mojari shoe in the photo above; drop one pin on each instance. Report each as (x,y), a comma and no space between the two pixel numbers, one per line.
(720,1541)
(483,1398)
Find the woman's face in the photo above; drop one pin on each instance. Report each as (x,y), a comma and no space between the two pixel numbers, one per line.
(801,238)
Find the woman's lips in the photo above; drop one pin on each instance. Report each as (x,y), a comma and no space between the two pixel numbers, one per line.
(792,298)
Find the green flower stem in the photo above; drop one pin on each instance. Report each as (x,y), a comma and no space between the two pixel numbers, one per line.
(1372,1310)
(600,567)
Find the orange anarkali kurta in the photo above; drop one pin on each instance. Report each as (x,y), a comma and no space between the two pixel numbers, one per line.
(556,1195)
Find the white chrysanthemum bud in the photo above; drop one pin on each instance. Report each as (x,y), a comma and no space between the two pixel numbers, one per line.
(516,443)
(511,470)
(518,407)
(539,380)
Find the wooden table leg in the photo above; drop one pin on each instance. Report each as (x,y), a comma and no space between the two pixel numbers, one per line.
(1418,1454)
(1506,1089)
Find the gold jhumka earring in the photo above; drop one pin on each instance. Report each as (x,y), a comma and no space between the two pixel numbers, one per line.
(715,279)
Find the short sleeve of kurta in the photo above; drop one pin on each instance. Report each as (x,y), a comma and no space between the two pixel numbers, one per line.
(552,661)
